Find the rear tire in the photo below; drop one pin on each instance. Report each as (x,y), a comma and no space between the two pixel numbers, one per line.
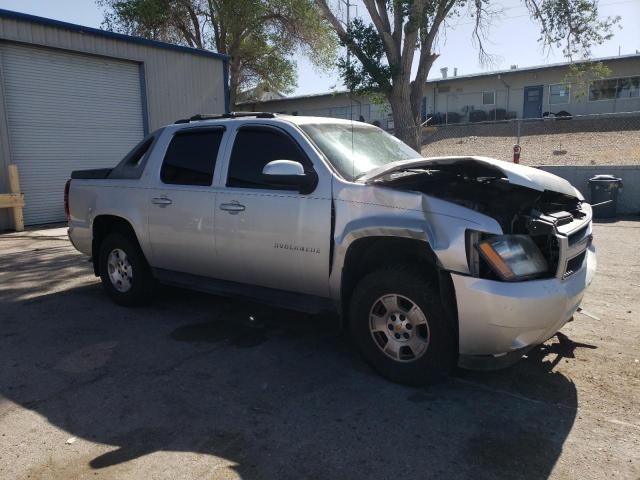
(400,327)
(124,271)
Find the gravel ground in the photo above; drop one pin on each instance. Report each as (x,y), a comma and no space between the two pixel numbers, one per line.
(189,388)
(591,140)
(585,148)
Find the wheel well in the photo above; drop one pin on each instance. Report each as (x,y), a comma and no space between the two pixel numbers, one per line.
(103,225)
(372,253)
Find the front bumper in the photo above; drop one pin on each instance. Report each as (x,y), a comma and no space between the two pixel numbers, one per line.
(500,321)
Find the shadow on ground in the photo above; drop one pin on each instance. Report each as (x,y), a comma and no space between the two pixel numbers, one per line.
(280,394)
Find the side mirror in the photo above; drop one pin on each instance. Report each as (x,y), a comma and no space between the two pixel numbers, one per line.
(287,173)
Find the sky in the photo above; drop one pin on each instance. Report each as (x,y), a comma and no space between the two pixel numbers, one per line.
(512,38)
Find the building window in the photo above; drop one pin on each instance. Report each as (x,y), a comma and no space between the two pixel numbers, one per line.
(488,98)
(603,90)
(559,93)
(628,87)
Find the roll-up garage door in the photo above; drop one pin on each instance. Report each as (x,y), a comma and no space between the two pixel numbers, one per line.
(65,112)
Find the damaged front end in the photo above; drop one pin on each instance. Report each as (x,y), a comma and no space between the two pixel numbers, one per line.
(545,221)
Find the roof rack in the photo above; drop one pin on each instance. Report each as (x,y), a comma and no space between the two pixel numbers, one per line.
(217,116)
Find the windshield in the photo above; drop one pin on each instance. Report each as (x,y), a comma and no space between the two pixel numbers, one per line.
(356,148)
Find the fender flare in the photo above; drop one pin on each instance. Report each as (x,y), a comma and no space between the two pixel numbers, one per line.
(366,228)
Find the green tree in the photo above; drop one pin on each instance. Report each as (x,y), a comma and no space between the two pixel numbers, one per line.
(383,49)
(582,74)
(261,36)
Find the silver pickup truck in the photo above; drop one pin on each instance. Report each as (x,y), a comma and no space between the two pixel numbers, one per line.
(430,261)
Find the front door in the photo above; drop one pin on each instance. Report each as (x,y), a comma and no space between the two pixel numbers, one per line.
(182,200)
(270,236)
(532,102)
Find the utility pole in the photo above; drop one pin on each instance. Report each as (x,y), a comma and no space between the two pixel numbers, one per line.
(345,18)
(347,23)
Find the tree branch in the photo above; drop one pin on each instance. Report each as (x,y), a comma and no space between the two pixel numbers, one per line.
(536,12)
(344,38)
(479,32)
(427,57)
(381,22)
(397,23)
(411,29)
(384,14)
(195,21)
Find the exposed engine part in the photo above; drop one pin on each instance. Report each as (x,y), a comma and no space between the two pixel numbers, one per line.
(483,189)
(518,210)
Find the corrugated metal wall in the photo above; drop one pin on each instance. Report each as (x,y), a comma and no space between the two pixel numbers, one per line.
(174,83)
(66,112)
(178,84)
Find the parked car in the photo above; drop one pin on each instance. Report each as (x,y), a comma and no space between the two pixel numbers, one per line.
(431,261)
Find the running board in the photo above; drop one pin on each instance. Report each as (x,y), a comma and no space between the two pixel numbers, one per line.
(269,296)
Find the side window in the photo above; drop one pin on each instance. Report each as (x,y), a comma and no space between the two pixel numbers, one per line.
(136,156)
(191,157)
(132,165)
(254,147)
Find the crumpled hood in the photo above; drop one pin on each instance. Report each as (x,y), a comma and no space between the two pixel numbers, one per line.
(516,174)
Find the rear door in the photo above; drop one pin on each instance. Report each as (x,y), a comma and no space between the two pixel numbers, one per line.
(181,198)
(268,236)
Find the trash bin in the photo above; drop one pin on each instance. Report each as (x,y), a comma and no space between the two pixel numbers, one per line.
(605,188)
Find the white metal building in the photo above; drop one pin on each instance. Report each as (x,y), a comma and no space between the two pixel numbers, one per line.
(74,97)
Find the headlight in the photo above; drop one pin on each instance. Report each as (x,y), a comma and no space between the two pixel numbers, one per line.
(513,257)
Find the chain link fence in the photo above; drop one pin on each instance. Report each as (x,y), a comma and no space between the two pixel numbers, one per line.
(598,139)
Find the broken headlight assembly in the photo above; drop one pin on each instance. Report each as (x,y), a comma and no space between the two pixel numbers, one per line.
(511,257)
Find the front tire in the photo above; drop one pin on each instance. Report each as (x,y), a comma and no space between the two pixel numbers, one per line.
(400,327)
(124,271)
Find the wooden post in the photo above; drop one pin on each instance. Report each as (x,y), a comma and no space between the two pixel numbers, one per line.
(14,187)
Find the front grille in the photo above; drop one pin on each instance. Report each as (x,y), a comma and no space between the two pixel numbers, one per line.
(574,264)
(574,239)
(578,235)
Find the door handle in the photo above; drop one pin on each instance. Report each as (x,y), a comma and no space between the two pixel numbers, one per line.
(233,208)
(162,201)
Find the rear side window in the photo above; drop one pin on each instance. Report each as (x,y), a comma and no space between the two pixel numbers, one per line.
(191,158)
(132,165)
(254,147)
(135,156)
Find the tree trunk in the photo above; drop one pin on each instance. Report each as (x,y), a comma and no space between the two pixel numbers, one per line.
(406,123)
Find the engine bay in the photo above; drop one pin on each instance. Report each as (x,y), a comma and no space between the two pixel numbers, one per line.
(486,190)
(518,209)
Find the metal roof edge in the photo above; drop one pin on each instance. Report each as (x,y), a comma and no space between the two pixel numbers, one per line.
(534,67)
(25,17)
